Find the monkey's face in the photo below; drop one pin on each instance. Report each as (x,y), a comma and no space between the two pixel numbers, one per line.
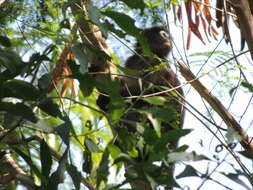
(158,40)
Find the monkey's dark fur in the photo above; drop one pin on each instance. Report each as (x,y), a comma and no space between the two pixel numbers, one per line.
(160,44)
(149,80)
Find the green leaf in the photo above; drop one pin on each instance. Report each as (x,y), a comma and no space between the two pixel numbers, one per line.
(185,156)
(111,27)
(151,181)
(20,89)
(95,17)
(114,150)
(75,175)
(124,22)
(86,84)
(103,170)
(81,56)
(124,158)
(9,60)
(126,139)
(65,24)
(5,41)
(235,178)
(64,130)
(45,81)
(58,176)
(8,74)
(92,147)
(18,109)
(188,171)
(248,86)
(100,53)
(247,154)
(136,4)
(163,114)
(28,161)
(156,124)
(117,104)
(156,100)
(49,107)
(175,134)
(87,165)
(45,158)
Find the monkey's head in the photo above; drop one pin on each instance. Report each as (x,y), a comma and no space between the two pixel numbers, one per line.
(158,40)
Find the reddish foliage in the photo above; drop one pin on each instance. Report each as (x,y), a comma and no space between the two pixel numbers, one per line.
(200,11)
(62,69)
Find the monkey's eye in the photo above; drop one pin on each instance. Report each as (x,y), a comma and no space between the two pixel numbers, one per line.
(164,34)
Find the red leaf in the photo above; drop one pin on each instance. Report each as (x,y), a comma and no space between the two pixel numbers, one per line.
(179,13)
(61,68)
(188,38)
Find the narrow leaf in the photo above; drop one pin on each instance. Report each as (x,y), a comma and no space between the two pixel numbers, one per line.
(64,130)
(58,176)
(28,160)
(75,175)
(45,158)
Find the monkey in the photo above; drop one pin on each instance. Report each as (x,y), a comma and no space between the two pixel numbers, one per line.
(147,80)
(160,45)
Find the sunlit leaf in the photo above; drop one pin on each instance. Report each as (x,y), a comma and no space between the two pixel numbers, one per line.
(156,100)
(114,151)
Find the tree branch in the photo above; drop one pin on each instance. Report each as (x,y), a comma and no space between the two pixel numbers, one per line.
(245,141)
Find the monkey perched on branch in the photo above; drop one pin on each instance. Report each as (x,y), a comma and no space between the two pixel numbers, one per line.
(146,75)
(152,74)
